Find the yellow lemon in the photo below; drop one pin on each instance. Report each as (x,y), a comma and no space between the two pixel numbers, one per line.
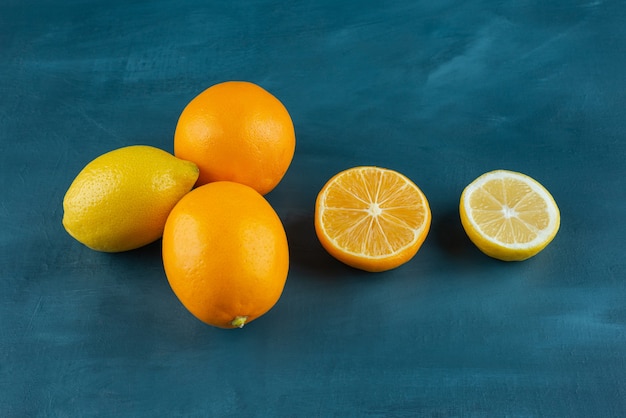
(508,215)
(120,201)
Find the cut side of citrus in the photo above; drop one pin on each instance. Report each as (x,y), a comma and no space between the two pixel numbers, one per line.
(371,218)
(509,215)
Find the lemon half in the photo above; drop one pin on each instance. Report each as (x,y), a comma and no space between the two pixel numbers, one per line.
(509,215)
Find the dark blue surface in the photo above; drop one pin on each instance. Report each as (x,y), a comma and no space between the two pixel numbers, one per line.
(441,91)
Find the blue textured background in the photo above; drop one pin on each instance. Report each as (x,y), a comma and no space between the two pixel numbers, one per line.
(441,91)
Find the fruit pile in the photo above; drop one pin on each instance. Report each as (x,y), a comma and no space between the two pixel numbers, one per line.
(224,248)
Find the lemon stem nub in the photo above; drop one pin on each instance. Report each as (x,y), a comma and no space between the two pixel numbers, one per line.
(239,321)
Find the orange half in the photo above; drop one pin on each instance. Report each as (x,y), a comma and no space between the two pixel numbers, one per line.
(371,218)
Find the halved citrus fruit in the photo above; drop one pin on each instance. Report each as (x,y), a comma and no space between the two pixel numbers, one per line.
(371,218)
(509,215)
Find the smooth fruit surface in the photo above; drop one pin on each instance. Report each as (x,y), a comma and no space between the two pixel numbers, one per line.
(509,215)
(225,254)
(237,131)
(120,200)
(371,218)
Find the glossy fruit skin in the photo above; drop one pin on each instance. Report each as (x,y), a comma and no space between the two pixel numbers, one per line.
(237,131)
(120,200)
(225,253)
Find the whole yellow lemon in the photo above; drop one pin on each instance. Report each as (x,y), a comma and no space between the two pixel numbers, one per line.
(120,201)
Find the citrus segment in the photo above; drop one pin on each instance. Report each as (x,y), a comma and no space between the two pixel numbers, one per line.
(371,218)
(509,215)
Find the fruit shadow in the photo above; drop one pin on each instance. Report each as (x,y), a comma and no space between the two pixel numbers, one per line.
(307,255)
(450,237)
(143,263)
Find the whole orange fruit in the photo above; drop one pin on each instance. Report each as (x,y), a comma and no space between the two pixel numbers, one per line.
(225,254)
(237,131)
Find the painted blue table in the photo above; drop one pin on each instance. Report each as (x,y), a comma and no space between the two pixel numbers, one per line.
(441,91)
